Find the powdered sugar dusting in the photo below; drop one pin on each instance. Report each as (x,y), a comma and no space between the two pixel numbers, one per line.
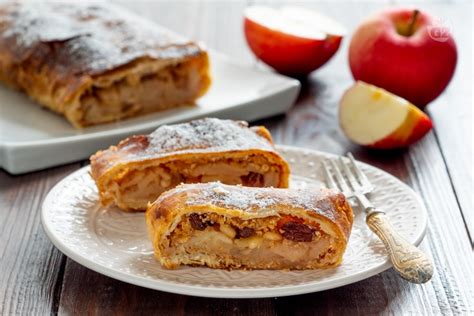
(249,199)
(208,133)
(92,37)
(216,193)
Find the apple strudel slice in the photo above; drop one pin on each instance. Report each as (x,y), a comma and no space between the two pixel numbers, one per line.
(140,168)
(236,227)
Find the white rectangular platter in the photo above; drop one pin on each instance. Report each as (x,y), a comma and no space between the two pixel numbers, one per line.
(33,138)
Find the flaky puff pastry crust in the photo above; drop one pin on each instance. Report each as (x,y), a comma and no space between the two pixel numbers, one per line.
(201,141)
(328,210)
(59,52)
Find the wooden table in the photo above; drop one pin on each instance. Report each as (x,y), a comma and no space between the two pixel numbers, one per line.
(35,278)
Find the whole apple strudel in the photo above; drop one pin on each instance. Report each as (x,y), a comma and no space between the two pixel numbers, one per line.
(97,63)
(140,168)
(236,227)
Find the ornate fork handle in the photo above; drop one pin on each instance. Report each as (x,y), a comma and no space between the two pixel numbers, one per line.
(410,262)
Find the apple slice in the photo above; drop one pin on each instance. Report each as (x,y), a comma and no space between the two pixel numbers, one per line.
(294,41)
(376,118)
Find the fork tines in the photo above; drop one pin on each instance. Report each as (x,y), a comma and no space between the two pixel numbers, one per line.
(344,174)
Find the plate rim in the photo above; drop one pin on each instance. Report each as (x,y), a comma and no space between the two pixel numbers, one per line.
(222,292)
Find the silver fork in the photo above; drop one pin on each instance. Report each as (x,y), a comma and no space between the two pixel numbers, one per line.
(409,261)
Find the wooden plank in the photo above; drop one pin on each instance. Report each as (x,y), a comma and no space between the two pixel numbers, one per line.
(448,239)
(30,265)
(452,112)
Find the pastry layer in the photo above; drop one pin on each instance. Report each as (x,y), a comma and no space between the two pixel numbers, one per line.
(223,226)
(141,167)
(97,63)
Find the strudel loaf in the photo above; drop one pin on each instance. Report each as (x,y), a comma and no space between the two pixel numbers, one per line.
(96,63)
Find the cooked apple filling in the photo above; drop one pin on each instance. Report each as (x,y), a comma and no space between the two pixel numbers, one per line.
(137,187)
(272,242)
(146,89)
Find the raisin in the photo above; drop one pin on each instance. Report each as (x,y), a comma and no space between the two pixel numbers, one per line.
(288,218)
(215,226)
(245,232)
(253,179)
(297,232)
(196,222)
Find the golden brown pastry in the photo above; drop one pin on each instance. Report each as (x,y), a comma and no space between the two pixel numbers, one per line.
(97,63)
(140,168)
(224,226)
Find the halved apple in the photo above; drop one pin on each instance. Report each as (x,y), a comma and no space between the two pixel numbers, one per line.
(294,41)
(376,118)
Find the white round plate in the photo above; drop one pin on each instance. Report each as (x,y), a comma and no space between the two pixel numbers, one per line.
(115,243)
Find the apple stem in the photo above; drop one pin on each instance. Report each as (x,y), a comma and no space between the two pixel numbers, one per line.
(411,26)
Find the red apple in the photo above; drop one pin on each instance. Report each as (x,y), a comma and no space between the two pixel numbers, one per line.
(376,118)
(292,40)
(406,52)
